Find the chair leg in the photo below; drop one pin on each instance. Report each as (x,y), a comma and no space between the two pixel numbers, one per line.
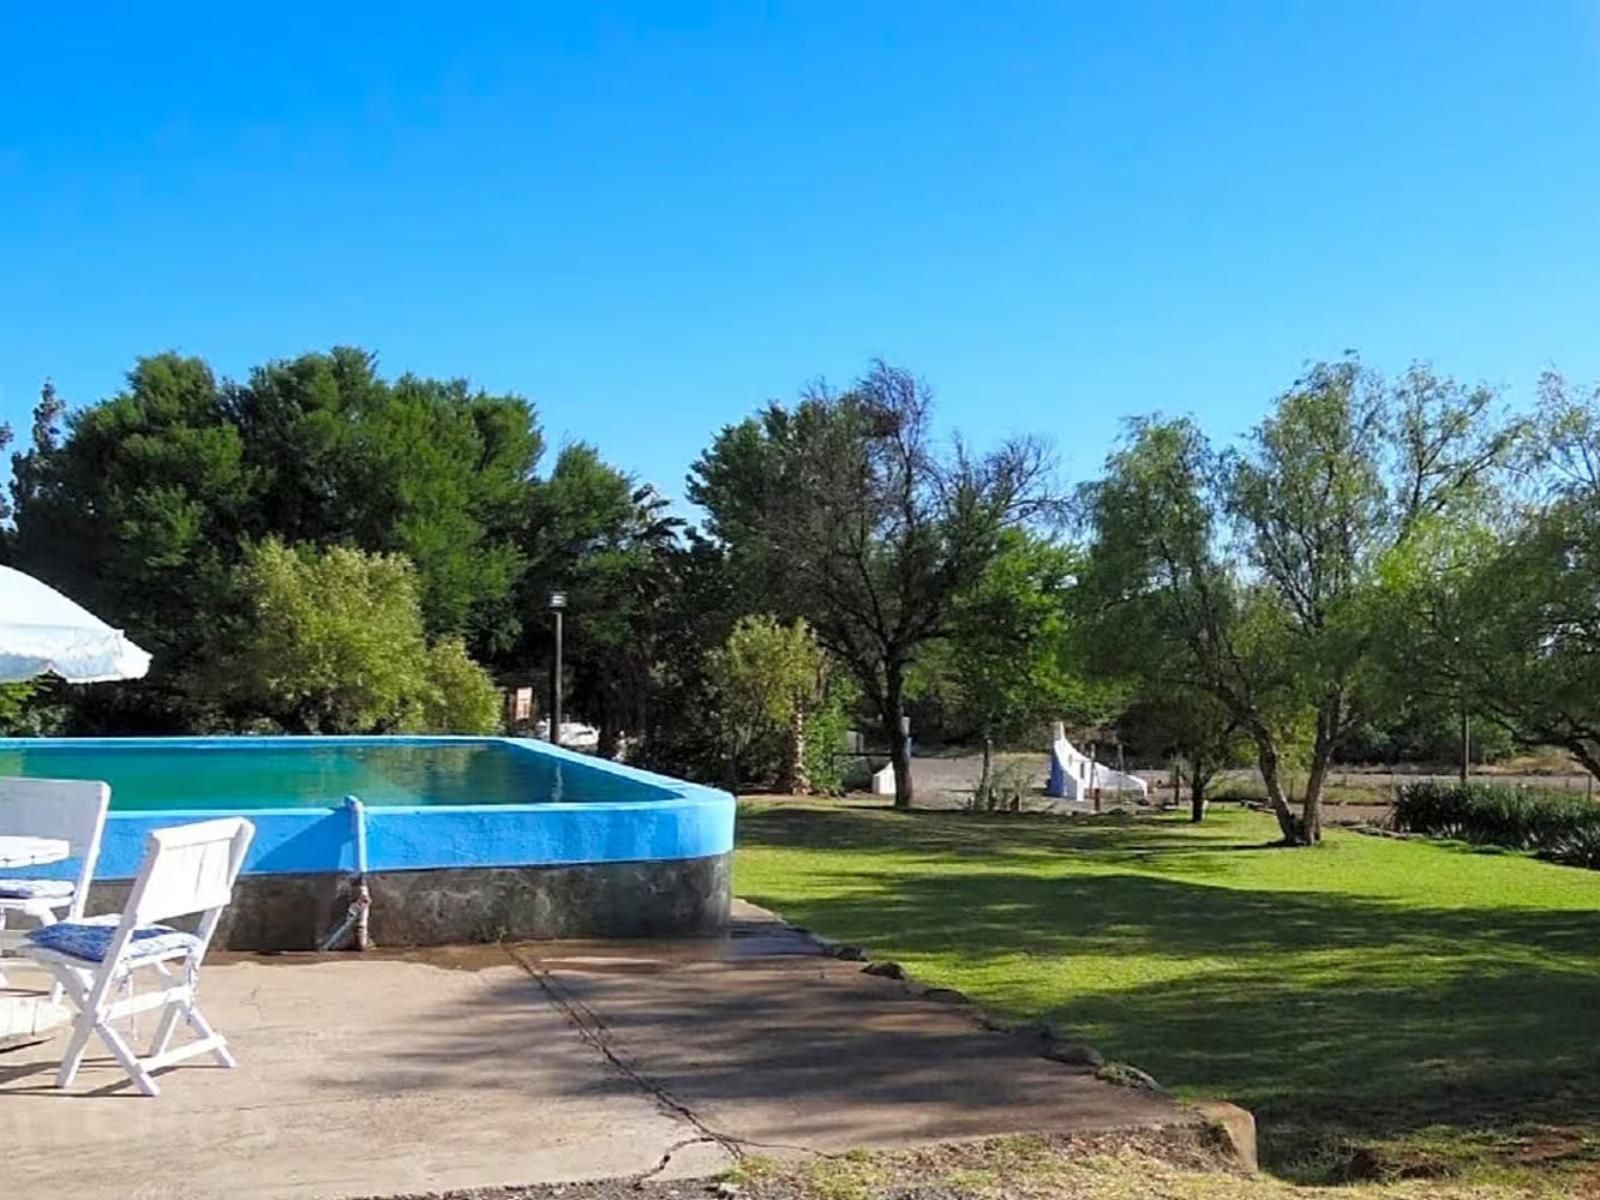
(76,1048)
(56,989)
(192,1016)
(165,1028)
(202,1027)
(127,1058)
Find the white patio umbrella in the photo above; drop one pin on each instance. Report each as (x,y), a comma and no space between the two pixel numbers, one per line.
(42,631)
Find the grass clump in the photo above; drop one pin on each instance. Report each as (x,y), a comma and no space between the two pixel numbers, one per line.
(856,1176)
(749,1169)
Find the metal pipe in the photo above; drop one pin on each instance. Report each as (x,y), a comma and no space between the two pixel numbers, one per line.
(358,824)
(355,917)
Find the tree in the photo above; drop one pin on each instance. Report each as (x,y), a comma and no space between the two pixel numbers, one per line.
(426,468)
(1008,665)
(844,511)
(1189,726)
(145,507)
(139,515)
(697,601)
(605,540)
(1503,618)
(332,642)
(1258,573)
(767,676)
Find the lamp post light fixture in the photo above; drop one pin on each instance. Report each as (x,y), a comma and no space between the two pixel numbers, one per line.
(558,602)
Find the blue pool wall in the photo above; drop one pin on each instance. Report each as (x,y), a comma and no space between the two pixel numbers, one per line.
(688,821)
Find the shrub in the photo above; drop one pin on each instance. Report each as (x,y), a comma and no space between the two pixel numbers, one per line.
(766,676)
(461,696)
(829,764)
(826,765)
(1576,847)
(28,710)
(334,644)
(1561,827)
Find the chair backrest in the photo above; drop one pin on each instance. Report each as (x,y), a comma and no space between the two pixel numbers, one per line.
(189,869)
(73,810)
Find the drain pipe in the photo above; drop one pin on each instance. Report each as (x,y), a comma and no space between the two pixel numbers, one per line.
(355,917)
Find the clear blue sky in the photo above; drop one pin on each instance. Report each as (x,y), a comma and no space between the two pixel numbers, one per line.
(649,218)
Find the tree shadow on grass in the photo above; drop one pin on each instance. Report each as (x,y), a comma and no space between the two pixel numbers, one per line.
(1381,1049)
(1332,1016)
(995,837)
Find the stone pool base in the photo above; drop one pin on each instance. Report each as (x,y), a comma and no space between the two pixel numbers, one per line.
(674,898)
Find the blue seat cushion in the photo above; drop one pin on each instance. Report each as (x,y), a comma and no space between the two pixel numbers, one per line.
(89,940)
(35,889)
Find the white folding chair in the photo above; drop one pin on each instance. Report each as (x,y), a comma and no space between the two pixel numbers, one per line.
(71,810)
(189,869)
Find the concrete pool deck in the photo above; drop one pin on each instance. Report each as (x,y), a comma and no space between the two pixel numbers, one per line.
(479,1066)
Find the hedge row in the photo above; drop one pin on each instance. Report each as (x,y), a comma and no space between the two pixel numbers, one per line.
(1556,825)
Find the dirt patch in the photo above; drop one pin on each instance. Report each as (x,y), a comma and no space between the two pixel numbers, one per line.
(1046,1168)
(1355,814)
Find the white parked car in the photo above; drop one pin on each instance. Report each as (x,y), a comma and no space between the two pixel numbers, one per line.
(574,734)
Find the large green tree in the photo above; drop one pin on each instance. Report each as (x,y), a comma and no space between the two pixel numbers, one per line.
(697,600)
(844,510)
(1502,619)
(140,512)
(422,467)
(1188,726)
(1256,574)
(606,540)
(1009,666)
(146,502)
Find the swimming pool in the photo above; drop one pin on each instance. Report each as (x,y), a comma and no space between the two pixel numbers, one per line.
(464,838)
(232,774)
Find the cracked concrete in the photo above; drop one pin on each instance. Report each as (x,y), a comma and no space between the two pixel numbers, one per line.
(476,1067)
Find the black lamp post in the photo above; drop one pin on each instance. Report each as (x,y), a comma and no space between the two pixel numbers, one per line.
(558,601)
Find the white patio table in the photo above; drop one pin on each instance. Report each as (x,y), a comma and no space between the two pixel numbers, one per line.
(29,1018)
(31,851)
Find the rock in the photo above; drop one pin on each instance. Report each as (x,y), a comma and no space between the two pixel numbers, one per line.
(1074,1054)
(850,953)
(885,970)
(724,1188)
(1124,1075)
(946,995)
(1236,1126)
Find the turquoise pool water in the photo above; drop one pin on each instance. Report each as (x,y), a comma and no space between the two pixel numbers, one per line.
(270,773)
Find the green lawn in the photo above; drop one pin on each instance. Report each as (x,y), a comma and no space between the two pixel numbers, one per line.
(1380,1005)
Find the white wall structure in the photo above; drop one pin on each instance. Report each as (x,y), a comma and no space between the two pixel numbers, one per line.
(883,781)
(1073,776)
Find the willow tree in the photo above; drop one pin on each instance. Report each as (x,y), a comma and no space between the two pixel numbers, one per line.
(1503,619)
(1257,574)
